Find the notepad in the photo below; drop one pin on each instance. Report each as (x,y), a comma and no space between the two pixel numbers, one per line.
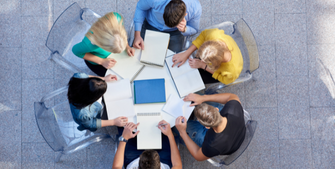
(149,91)
(186,79)
(128,67)
(176,107)
(155,47)
(118,99)
(149,136)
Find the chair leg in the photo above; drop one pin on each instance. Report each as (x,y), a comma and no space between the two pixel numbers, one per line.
(58,157)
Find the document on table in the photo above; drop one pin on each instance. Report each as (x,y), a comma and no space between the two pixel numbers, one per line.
(176,107)
(128,67)
(118,99)
(149,136)
(186,79)
(156,44)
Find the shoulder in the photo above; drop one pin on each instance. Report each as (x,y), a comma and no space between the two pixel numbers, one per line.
(80,75)
(232,107)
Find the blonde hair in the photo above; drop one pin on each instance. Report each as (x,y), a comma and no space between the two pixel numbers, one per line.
(212,52)
(108,33)
(207,115)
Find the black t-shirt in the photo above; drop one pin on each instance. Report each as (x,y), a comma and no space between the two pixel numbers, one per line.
(231,138)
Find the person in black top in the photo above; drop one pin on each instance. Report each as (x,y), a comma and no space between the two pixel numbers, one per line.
(216,132)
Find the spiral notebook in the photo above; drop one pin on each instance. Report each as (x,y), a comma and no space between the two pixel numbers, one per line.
(150,136)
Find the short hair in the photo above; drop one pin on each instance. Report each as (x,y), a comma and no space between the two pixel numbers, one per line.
(207,115)
(212,52)
(108,33)
(149,159)
(83,92)
(174,13)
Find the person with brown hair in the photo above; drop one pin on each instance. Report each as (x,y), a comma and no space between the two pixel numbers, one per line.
(106,36)
(218,57)
(217,132)
(128,156)
(180,18)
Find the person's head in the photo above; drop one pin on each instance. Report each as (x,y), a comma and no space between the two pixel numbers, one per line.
(85,91)
(109,33)
(212,52)
(149,159)
(208,115)
(174,13)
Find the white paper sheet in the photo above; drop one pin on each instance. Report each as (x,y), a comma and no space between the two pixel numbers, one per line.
(176,107)
(149,136)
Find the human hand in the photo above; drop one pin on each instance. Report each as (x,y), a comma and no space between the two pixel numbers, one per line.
(130,51)
(179,58)
(128,131)
(110,78)
(138,41)
(108,63)
(181,124)
(182,25)
(196,63)
(197,99)
(120,121)
(165,128)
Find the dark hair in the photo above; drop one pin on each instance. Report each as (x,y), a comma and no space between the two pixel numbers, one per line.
(149,159)
(85,91)
(174,13)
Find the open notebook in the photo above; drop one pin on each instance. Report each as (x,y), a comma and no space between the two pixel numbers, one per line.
(149,136)
(176,107)
(156,44)
(118,99)
(126,66)
(186,79)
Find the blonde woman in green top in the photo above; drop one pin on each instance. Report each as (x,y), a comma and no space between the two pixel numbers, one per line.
(106,36)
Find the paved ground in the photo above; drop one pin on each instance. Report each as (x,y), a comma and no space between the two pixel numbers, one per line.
(292,97)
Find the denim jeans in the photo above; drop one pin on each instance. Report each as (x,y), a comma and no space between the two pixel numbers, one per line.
(176,38)
(195,130)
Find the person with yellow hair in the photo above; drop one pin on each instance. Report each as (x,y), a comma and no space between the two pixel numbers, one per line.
(106,36)
(220,57)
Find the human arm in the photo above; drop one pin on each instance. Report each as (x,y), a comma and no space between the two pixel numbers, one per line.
(175,155)
(183,56)
(192,147)
(127,134)
(140,12)
(192,26)
(107,78)
(120,122)
(197,63)
(222,98)
(107,63)
(130,50)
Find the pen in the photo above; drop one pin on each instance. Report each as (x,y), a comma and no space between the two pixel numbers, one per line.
(164,124)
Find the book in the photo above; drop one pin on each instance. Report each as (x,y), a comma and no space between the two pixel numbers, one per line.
(149,136)
(176,107)
(186,79)
(156,44)
(118,99)
(128,67)
(149,91)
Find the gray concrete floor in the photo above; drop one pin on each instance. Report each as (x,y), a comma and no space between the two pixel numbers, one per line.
(292,96)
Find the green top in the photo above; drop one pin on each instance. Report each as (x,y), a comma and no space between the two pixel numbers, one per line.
(86,46)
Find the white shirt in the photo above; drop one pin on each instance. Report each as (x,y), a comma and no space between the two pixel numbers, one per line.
(134,164)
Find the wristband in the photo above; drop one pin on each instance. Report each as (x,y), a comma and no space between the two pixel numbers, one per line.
(205,67)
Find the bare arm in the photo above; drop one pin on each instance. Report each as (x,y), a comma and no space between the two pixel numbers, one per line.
(182,57)
(120,121)
(192,147)
(107,63)
(222,98)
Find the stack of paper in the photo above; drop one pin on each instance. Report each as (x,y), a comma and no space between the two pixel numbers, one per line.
(176,107)
(149,136)
(186,79)
(149,91)
(118,99)
(126,66)
(156,44)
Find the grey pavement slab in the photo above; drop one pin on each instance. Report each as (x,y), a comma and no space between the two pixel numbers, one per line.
(263,154)
(96,5)
(127,10)
(73,160)
(101,155)
(36,30)
(37,155)
(295,154)
(37,8)
(290,28)
(291,59)
(267,124)
(205,21)
(206,6)
(289,6)
(261,92)
(227,7)
(294,122)
(217,19)
(60,5)
(292,91)
(10,33)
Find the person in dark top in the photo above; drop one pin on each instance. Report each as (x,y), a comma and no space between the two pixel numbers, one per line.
(217,132)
